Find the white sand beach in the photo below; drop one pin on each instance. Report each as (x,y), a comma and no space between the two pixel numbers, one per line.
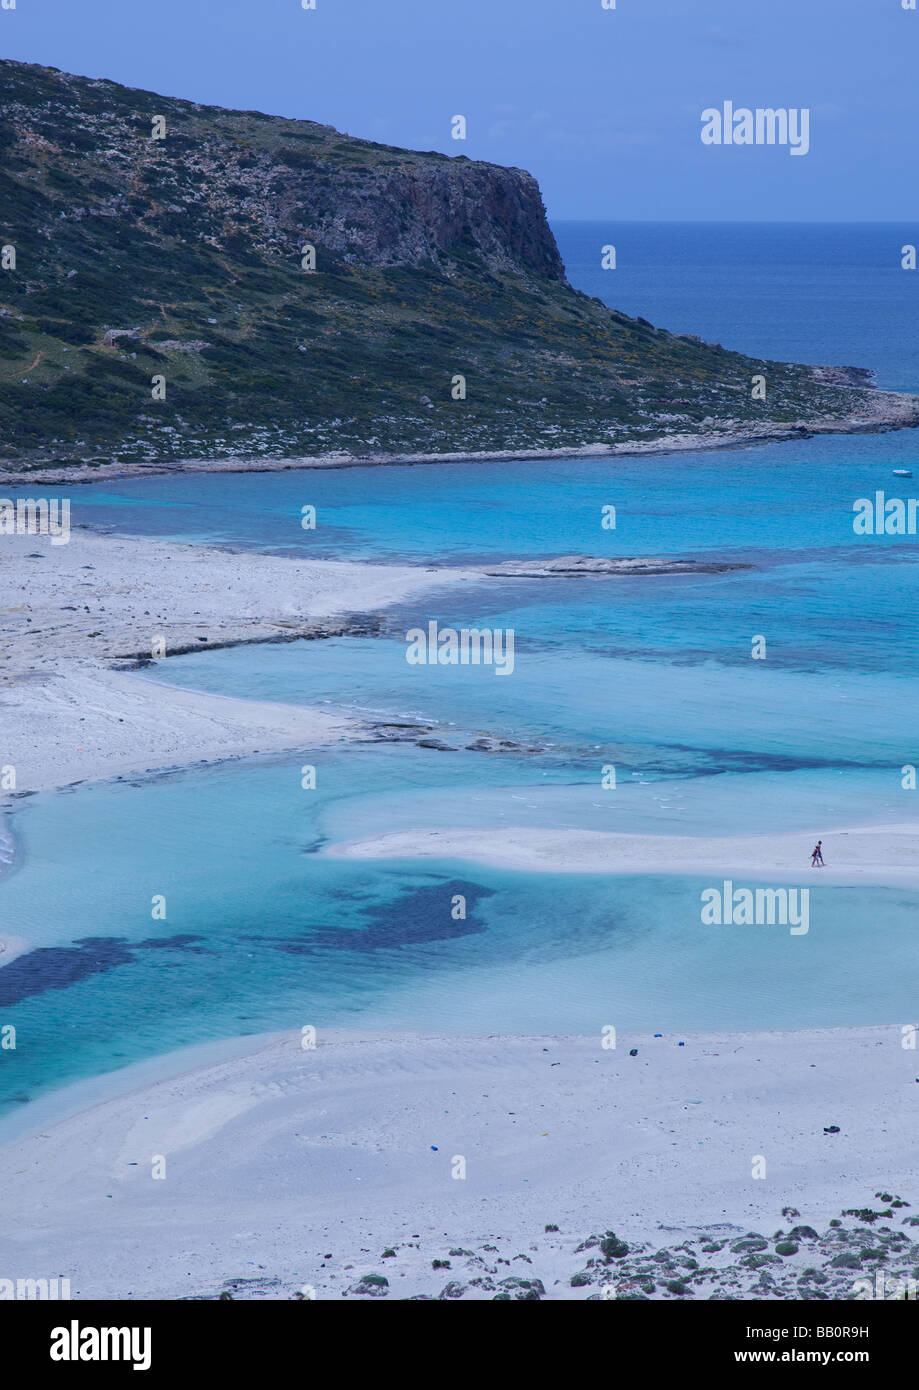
(70,611)
(290,1168)
(858,855)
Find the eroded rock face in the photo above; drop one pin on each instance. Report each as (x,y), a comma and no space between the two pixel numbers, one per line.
(429,206)
(217,174)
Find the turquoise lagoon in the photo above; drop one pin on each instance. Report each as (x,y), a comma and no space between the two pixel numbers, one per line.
(651,674)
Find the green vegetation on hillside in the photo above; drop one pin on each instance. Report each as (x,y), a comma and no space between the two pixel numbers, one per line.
(181,258)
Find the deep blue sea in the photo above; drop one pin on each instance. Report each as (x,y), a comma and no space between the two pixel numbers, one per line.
(651,674)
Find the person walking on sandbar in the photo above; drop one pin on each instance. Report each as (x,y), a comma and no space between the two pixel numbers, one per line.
(817,856)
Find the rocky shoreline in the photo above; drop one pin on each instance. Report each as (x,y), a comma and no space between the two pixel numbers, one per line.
(883,411)
(864,1254)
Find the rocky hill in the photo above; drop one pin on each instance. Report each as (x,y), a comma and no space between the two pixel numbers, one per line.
(180,261)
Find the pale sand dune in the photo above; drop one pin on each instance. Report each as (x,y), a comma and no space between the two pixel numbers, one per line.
(868,854)
(65,715)
(280,1157)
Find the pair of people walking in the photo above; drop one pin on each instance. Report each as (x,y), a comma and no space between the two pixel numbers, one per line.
(817,856)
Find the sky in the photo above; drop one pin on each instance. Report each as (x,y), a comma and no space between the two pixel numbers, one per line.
(602,105)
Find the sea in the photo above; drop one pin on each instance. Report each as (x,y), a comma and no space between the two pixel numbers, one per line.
(653,676)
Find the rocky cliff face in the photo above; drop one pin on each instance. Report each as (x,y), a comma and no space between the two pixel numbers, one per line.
(219,175)
(155,304)
(412,215)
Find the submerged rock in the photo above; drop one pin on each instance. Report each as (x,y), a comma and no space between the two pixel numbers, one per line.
(567,565)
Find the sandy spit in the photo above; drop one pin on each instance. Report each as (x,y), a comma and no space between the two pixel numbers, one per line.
(72,613)
(857,855)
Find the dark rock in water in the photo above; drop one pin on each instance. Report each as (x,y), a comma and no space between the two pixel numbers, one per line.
(831,1129)
(491,744)
(565,566)
(633,1052)
(398,733)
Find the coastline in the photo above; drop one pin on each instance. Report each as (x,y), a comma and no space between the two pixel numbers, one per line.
(894,410)
(288,1167)
(276,1156)
(73,705)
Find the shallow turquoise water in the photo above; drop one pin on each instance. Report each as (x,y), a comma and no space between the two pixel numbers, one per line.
(263,933)
(792,497)
(651,674)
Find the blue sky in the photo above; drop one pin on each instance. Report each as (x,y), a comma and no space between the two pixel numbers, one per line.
(603,106)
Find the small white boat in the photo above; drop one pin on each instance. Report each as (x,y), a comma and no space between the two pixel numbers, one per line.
(902,473)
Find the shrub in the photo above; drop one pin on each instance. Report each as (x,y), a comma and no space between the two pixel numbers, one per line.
(612,1247)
